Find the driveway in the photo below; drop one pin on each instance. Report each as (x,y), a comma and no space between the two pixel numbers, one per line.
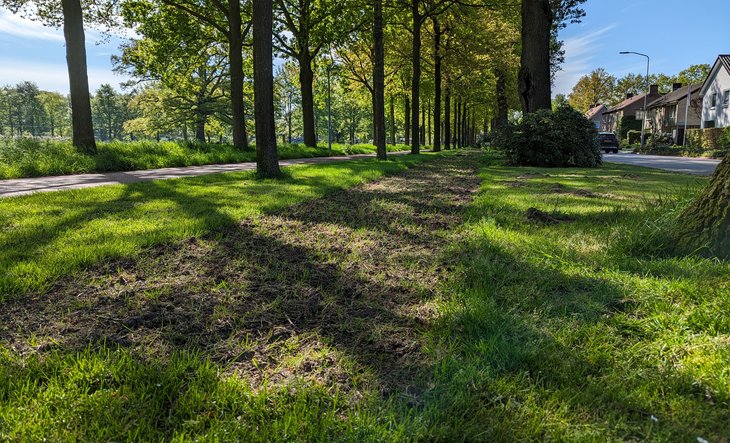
(22,186)
(696,166)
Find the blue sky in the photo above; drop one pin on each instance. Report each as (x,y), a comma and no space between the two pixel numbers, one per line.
(30,51)
(674,33)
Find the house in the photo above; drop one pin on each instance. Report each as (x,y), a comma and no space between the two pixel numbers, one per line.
(595,115)
(667,113)
(630,108)
(715,94)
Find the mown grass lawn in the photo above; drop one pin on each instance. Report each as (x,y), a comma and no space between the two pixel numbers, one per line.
(413,308)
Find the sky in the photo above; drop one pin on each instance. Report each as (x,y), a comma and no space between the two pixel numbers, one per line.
(674,33)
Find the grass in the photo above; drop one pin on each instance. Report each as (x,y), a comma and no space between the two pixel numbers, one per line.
(37,158)
(425,306)
(48,235)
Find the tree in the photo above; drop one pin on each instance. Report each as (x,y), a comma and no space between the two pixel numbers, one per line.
(705,225)
(378,81)
(110,111)
(56,108)
(694,74)
(267,161)
(534,77)
(594,88)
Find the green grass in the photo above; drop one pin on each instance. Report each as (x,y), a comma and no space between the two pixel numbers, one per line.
(47,235)
(36,158)
(584,330)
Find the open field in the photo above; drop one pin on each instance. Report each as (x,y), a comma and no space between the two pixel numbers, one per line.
(37,158)
(455,299)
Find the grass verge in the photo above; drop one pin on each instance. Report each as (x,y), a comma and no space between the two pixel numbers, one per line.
(37,158)
(47,235)
(408,309)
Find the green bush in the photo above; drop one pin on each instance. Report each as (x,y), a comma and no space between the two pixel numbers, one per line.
(633,137)
(559,138)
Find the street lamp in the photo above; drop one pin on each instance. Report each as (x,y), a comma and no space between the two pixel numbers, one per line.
(643,121)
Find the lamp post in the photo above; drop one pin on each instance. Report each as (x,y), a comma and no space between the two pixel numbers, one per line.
(643,120)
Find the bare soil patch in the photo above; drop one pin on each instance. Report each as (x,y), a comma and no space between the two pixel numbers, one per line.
(307,292)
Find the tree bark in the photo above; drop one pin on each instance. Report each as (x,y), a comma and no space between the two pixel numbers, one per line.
(379,81)
(447,119)
(705,225)
(457,125)
(416,80)
(267,161)
(392,120)
(407,121)
(200,128)
(306,79)
(437,86)
(534,76)
(235,57)
(73,32)
(428,124)
(423,125)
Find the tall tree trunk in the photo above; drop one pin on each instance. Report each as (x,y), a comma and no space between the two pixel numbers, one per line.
(379,80)
(705,225)
(437,86)
(200,128)
(534,76)
(392,120)
(235,56)
(407,121)
(447,119)
(416,80)
(457,125)
(73,32)
(423,125)
(428,126)
(267,161)
(501,93)
(306,79)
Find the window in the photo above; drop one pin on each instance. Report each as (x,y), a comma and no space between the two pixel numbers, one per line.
(713,101)
(726,98)
(709,124)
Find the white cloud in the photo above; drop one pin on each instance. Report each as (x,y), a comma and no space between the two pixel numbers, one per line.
(53,76)
(579,54)
(16,26)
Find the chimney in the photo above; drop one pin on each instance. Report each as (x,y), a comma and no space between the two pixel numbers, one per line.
(629,95)
(654,90)
(676,86)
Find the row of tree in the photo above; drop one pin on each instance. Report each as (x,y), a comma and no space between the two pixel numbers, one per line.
(479,57)
(601,87)
(25,110)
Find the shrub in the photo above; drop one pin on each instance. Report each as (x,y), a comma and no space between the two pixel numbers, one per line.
(563,137)
(634,137)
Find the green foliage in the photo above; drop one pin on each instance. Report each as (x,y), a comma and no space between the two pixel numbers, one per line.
(633,136)
(36,158)
(553,139)
(628,123)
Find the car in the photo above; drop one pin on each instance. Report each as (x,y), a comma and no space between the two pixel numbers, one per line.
(608,142)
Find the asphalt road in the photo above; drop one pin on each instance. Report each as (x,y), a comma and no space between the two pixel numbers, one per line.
(696,166)
(23,186)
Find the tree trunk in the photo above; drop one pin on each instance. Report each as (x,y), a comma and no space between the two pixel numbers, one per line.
(379,80)
(306,79)
(447,119)
(73,31)
(501,93)
(428,126)
(457,125)
(392,120)
(534,76)
(437,86)
(235,56)
(267,161)
(407,121)
(423,125)
(705,225)
(416,80)
(200,128)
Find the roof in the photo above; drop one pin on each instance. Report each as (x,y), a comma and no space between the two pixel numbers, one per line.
(673,97)
(627,102)
(722,60)
(596,110)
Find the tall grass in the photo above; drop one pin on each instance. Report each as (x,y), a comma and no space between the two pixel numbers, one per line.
(38,158)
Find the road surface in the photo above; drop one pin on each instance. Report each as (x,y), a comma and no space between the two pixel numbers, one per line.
(22,186)
(696,166)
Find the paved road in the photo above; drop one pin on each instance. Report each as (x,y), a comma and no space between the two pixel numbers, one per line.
(696,166)
(22,186)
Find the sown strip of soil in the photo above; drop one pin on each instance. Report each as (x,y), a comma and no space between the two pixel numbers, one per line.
(352,275)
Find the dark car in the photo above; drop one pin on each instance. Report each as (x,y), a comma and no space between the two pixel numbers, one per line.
(608,142)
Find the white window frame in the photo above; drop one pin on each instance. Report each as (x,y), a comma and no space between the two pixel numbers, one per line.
(725,98)
(713,100)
